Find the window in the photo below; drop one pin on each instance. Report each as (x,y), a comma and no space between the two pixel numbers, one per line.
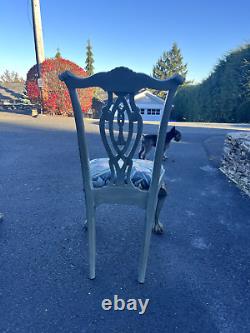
(142,111)
(158,111)
(149,111)
(153,111)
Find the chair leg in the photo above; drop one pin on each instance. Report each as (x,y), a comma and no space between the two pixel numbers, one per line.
(85,225)
(158,227)
(92,240)
(152,217)
(144,259)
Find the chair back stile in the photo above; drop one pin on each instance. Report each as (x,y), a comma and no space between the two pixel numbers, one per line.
(120,178)
(160,145)
(82,145)
(124,83)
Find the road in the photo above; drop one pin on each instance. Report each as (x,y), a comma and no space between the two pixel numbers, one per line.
(198,277)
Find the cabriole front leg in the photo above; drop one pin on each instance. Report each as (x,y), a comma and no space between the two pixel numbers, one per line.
(158,226)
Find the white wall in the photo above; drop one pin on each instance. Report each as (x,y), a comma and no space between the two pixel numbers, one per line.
(146,101)
(150,106)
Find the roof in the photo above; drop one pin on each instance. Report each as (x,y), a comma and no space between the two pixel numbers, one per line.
(11,92)
(147,94)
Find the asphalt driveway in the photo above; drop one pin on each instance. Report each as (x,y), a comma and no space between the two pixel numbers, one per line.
(198,277)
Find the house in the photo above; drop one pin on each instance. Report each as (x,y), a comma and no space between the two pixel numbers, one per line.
(150,105)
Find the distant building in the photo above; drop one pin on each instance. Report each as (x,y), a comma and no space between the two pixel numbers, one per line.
(151,106)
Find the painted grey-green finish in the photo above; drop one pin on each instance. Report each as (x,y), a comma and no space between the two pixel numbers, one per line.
(124,83)
(120,150)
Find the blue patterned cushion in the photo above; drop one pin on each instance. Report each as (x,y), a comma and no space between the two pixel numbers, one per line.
(141,173)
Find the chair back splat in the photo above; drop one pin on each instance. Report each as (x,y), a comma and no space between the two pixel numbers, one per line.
(121,128)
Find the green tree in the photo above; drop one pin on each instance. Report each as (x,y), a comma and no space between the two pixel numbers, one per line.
(89,59)
(245,81)
(58,53)
(170,63)
(186,106)
(224,96)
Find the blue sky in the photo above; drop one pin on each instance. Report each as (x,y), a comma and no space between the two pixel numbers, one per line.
(129,33)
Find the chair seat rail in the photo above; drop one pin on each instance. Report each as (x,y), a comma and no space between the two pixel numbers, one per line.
(121,85)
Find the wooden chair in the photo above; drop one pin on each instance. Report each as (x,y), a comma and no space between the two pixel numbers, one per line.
(120,178)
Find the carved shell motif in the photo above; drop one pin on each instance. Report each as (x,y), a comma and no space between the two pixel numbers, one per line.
(121,130)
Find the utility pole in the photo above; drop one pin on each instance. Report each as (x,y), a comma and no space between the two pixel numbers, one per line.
(38,39)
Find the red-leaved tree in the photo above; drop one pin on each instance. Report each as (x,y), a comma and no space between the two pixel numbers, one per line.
(55,96)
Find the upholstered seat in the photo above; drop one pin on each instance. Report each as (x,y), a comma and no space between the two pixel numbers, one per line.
(141,173)
(121,142)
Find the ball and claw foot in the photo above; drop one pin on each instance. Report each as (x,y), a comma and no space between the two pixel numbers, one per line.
(158,228)
(165,157)
(85,225)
